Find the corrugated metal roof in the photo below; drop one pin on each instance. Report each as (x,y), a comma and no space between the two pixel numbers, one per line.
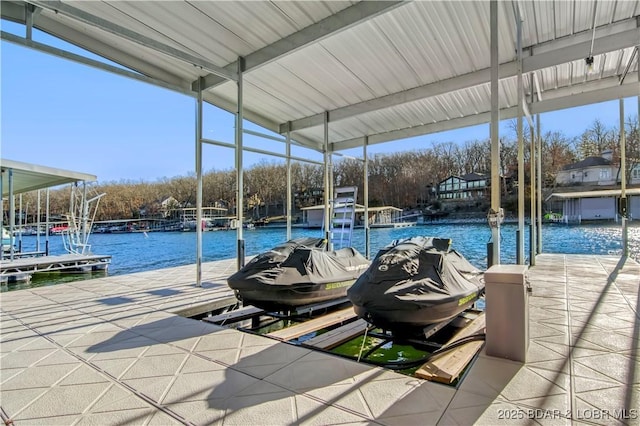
(595,194)
(385,70)
(30,177)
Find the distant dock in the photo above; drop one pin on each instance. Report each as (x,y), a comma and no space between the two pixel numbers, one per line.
(21,178)
(22,268)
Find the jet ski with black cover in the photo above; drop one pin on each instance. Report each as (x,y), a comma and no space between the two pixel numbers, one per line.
(296,273)
(415,282)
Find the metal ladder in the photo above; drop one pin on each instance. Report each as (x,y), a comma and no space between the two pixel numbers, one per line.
(343,214)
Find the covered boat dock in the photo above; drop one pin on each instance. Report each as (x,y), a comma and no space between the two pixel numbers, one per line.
(379,217)
(19,178)
(601,204)
(331,77)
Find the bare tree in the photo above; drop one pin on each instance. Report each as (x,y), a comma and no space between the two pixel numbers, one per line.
(474,156)
(596,139)
(632,143)
(557,152)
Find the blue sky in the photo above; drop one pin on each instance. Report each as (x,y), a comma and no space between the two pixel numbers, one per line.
(62,114)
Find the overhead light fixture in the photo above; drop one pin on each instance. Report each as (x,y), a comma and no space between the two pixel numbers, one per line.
(589,62)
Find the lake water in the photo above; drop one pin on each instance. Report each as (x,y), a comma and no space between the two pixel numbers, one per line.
(136,252)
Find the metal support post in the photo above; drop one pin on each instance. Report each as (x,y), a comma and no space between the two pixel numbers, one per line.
(20,224)
(199,115)
(540,184)
(46,229)
(72,199)
(489,255)
(289,198)
(1,212)
(85,216)
(532,205)
(623,183)
(332,192)
(367,246)
(239,165)
(29,9)
(38,223)
(521,177)
(12,214)
(331,202)
(495,141)
(326,180)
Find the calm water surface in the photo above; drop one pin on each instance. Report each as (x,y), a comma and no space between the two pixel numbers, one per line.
(138,252)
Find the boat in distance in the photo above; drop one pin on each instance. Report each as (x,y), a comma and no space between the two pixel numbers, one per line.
(415,282)
(7,240)
(296,273)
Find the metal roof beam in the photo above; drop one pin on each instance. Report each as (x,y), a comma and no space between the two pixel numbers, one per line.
(567,97)
(14,12)
(628,67)
(97,22)
(591,93)
(527,113)
(538,87)
(611,37)
(136,63)
(184,88)
(259,151)
(331,25)
(260,120)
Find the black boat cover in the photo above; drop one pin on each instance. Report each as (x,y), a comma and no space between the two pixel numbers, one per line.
(414,282)
(298,272)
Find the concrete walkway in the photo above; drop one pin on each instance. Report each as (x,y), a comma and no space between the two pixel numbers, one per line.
(113,351)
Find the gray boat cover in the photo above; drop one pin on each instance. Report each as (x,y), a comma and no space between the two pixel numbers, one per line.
(413,274)
(300,261)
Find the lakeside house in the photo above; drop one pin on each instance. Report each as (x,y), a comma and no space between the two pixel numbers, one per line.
(594,170)
(589,189)
(469,186)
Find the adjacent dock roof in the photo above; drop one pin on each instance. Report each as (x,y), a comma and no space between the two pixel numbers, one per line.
(30,177)
(596,193)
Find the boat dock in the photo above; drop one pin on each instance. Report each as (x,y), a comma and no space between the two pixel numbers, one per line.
(115,350)
(17,265)
(21,268)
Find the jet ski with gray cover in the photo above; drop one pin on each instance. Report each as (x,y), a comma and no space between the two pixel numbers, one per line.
(416,282)
(296,273)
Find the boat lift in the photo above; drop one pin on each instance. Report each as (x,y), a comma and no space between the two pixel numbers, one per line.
(343,213)
(82,213)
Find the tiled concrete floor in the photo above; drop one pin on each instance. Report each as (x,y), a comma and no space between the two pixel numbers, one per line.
(112,351)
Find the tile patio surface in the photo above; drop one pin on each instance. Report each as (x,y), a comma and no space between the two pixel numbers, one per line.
(112,351)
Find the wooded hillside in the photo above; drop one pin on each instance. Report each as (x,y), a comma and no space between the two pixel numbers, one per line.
(402,179)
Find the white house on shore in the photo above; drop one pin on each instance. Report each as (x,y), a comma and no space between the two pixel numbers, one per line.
(595,192)
(596,170)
